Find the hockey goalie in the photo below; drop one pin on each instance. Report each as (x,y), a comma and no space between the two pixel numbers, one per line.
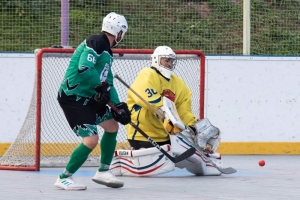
(175,130)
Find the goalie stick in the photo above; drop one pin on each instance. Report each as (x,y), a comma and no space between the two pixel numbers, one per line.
(176,159)
(228,170)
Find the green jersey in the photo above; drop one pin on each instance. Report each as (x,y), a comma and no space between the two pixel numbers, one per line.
(90,65)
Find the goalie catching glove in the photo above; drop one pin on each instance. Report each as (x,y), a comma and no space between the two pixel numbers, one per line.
(207,136)
(103,93)
(124,115)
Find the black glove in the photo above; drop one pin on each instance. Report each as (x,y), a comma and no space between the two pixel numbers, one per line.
(103,93)
(124,117)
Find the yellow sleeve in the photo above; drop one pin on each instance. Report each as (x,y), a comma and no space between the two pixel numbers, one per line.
(184,104)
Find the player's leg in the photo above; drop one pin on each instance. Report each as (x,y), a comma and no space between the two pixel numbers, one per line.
(82,121)
(107,147)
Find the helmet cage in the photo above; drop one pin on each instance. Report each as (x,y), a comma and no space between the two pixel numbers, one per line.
(163,52)
(172,56)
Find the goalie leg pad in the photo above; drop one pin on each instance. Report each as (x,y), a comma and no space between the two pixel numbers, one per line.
(179,145)
(195,164)
(206,170)
(142,162)
(211,170)
(205,131)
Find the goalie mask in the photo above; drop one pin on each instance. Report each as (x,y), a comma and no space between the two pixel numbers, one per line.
(113,23)
(164,60)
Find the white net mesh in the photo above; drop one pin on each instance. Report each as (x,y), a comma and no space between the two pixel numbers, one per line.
(57,140)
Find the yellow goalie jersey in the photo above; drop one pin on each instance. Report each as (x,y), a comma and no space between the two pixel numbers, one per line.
(151,85)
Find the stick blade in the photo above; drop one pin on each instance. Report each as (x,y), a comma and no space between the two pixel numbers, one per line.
(228,170)
(188,153)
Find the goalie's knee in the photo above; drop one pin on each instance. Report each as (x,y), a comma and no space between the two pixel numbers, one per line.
(143,162)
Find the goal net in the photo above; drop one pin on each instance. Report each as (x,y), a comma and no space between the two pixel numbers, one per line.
(46,140)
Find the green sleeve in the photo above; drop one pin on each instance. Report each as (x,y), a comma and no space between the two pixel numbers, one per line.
(114,97)
(88,59)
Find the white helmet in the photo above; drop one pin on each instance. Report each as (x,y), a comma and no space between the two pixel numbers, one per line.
(163,52)
(113,23)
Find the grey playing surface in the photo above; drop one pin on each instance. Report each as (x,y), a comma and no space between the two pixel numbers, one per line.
(278,179)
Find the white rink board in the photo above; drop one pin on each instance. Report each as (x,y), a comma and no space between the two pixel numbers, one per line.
(17,73)
(254,98)
(249,98)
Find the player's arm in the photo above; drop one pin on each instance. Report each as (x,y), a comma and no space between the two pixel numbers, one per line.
(101,80)
(86,66)
(184,106)
(113,92)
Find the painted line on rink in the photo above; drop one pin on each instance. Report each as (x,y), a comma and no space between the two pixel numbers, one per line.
(88,172)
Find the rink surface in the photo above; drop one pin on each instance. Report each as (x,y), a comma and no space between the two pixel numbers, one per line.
(278,179)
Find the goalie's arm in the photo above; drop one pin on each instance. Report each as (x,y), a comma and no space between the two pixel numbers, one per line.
(184,106)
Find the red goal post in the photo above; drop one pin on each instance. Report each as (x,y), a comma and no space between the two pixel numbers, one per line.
(46,140)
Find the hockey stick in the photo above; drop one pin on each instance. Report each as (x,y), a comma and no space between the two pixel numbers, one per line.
(160,115)
(228,170)
(176,159)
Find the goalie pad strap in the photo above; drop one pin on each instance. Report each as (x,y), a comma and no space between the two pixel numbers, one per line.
(141,152)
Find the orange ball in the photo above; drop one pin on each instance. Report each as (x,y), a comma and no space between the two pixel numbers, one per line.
(261,163)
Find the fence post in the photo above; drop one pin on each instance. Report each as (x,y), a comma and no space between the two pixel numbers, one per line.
(64,23)
(246,27)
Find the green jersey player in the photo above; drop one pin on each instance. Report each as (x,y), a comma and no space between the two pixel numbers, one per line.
(83,95)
